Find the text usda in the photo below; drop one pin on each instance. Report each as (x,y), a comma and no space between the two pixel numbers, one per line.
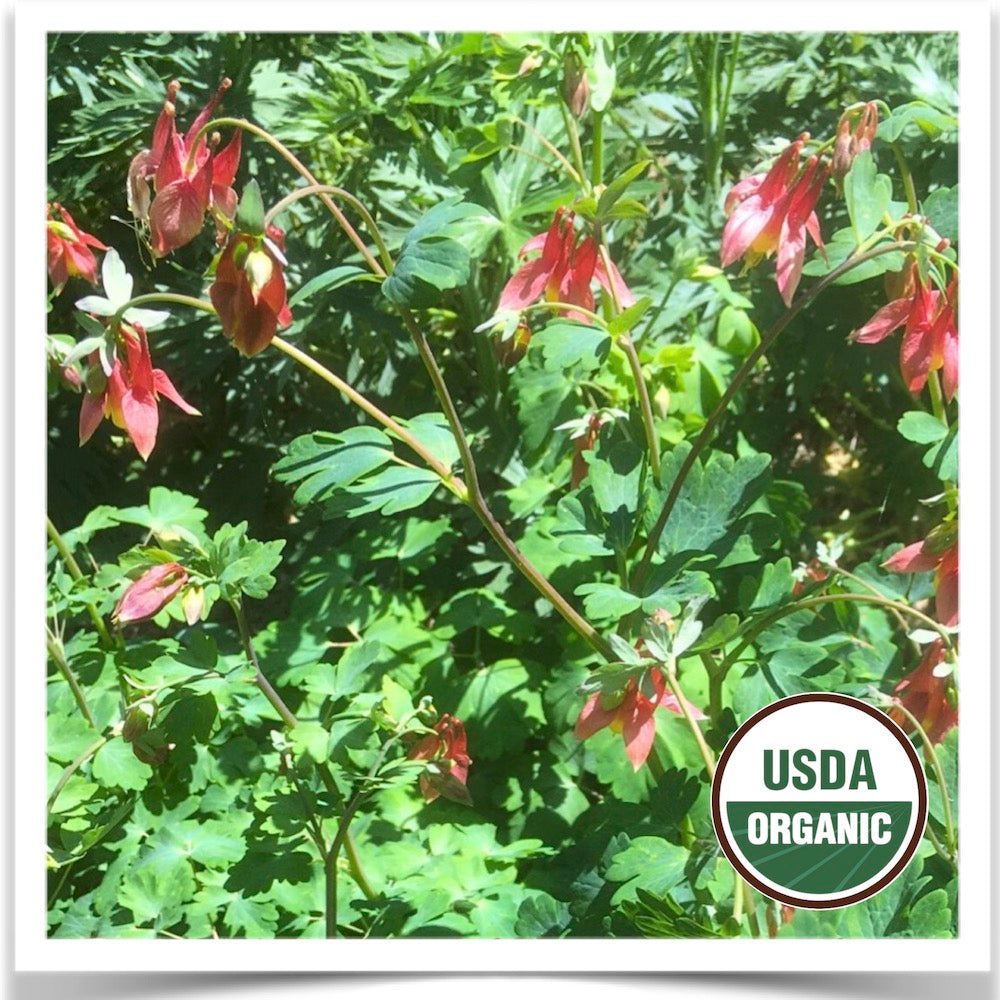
(819,800)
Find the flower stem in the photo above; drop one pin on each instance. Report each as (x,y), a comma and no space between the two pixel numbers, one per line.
(358,205)
(573,134)
(820,599)
(72,768)
(597,144)
(907,176)
(478,503)
(451,481)
(552,148)
(73,568)
(855,260)
(641,389)
(301,168)
(937,399)
(261,681)
(951,841)
(675,689)
(59,659)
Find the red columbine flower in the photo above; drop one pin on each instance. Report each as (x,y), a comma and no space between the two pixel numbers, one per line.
(632,716)
(68,249)
(150,594)
(930,334)
(774,212)
(563,272)
(938,552)
(129,394)
(446,743)
(928,697)
(189,176)
(249,290)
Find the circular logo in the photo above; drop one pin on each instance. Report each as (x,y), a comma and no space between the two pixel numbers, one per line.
(819,800)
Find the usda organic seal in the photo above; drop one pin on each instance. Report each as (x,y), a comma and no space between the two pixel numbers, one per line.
(819,800)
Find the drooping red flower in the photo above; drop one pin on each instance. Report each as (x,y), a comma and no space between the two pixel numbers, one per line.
(931,554)
(129,395)
(189,176)
(150,594)
(585,442)
(68,249)
(563,272)
(930,333)
(249,290)
(632,716)
(446,745)
(928,697)
(774,212)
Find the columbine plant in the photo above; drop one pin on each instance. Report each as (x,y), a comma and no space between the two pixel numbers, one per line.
(644,653)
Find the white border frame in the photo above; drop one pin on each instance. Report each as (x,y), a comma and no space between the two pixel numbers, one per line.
(34,952)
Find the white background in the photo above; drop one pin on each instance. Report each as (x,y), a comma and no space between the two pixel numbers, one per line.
(24,503)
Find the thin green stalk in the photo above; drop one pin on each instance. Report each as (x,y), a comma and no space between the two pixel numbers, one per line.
(71,769)
(937,399)
(478,503)
(74,571)
(566,307)
(58,658)
(855,260)
(356,203)
(706,751)
(907,176)
(597,145)
(552,148)
(357,871)
(304,171)
(573,134)
(655,766)
(261,681)
(451,481)
(821,599)
(951,841)
(641,389)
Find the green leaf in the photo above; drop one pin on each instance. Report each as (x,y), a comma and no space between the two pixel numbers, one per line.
(435,254)
(775,586)
(868,194)
(921,427)
(392,490)
(930,916)
(564,345)
(115,766)
(627,319)
(650,863)
(541,916)
(330,280)
(322,463)
(736,332)
(929,120)
(241,564)
(434,432)
(500,708)
(169,515)
(724,628)
(714,496)
(941,207)
(250,211)
(618,186)
(606,602)
(942,459)
(602,74)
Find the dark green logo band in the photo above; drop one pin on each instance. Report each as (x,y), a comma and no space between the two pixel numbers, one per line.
(819,847)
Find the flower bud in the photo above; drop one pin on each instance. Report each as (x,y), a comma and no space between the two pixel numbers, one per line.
(150,594)
(575,88)
(529,64)
(138,719)
(193,603)
(510,351)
